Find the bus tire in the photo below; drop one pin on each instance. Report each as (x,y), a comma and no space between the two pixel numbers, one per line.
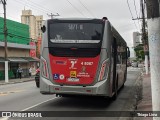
(37,84)
(122,86)
(114,97)
(125,77)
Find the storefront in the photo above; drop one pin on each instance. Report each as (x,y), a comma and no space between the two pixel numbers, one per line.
(14,62)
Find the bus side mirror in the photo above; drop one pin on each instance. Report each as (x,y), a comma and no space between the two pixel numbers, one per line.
(128,52)
(43,28)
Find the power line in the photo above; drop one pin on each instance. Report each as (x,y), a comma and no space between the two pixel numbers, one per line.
(130,9)
(75,8)
(35,7)
(40,6)
(143,24)
(5,29)
(131,14)
(86,8)
(135,8)
(136,13)
(124,26)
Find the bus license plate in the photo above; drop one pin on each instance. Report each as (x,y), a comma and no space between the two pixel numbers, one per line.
(73,79)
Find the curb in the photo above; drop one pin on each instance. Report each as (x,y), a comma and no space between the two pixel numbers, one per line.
(133,100)
(14,82)
(141,103)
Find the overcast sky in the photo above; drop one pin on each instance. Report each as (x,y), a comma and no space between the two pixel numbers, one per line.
(117,11)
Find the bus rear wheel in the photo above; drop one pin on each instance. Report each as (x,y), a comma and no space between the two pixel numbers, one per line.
(37,84)
(114,97)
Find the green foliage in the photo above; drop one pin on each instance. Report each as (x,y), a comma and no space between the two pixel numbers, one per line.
(139,52)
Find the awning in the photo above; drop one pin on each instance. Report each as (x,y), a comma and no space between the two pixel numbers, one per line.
(2,60)
(17,59)
(30,59)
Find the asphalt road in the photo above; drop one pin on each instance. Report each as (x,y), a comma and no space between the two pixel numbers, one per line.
(19,96)
(26,97)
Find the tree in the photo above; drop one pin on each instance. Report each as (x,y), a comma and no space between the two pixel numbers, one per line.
(139,50)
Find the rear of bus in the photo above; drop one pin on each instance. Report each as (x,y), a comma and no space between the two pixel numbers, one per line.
(73,61)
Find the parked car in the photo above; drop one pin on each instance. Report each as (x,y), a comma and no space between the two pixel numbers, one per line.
(134,64)
(37,77)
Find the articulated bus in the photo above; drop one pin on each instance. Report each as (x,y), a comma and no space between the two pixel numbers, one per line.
(82,57)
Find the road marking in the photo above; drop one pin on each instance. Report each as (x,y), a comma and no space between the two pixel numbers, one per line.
(4,93)
(6,118)
(37,104)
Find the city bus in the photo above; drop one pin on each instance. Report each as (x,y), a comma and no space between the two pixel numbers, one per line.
(82,56)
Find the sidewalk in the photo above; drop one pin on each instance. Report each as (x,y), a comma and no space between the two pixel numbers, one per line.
(12,81)
(146,103)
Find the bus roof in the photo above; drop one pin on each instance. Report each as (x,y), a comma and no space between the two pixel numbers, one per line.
(76,19)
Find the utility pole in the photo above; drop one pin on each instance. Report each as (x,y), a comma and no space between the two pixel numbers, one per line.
(144,37)
(153,21)
(5,28)
(52,15)
(5,41)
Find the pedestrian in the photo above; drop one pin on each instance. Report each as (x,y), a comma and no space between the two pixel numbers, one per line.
(30,72)
(20,71)
(15,72)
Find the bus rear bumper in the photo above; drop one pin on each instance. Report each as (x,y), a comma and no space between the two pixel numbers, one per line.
(99,89)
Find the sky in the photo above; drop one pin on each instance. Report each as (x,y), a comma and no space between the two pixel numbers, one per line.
(119,12)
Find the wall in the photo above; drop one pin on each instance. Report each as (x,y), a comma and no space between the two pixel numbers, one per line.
(1,66)
(39,20)
(17,32)
(32,27)
(13,52)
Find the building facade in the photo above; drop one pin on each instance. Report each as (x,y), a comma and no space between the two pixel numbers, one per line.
(29,19)
(18,45)
(35,23)
(136,39)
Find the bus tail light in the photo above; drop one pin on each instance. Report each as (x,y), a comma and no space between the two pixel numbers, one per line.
(44,68)
(57,89)
(89,91)
(104,70)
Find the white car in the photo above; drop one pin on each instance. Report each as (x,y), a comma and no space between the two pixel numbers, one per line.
(134,64)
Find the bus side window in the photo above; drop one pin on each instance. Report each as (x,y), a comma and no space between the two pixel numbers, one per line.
(118,55)
(113,48)
(124,59)
(119,59)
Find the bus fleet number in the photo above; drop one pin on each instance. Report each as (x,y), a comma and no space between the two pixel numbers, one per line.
(86,63)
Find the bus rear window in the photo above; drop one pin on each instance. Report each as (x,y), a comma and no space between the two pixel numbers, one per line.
(75,32)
